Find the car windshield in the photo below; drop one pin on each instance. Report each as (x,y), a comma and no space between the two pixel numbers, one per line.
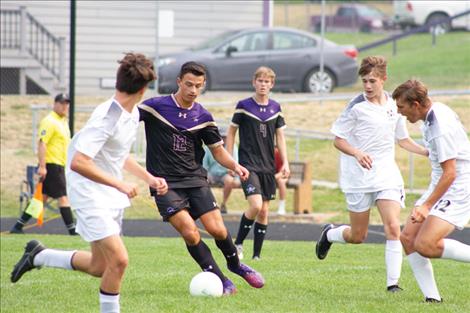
(211,42)
(370,12)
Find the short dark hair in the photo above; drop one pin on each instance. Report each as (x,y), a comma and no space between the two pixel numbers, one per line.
(194,68)
(135,72)
(410,91)
(373,63)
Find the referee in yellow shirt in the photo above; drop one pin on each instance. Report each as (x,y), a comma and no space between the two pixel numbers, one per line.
(54,138)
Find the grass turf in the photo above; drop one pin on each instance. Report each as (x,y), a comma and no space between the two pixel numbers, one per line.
(351,279)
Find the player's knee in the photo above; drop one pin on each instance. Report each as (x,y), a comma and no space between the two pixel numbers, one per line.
(407,240)
(220,233)
(119,263)
(425,247)
(191,236)
(263,214)
(393,230)
(358,238)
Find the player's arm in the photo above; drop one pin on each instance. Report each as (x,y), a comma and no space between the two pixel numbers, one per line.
(232,131)
(226,160)
(449,168)
(281,145)
(84,165)
(344,146)
(158,183)
(42,149)
(410,145)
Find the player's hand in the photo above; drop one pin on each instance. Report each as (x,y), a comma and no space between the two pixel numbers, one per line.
(285,171)
(242,172)
(159,184)
(42,172)
(364,160)
(419,214)
(130,189)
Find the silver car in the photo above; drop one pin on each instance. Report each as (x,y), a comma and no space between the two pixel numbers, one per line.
(232,57)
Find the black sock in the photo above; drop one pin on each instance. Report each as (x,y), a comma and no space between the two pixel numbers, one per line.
(67,216)
(243,229)
(260,232)
(230,252)
(203,256)
(25,217)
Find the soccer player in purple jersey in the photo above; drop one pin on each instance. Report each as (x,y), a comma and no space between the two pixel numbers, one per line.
(260,122)
(176,127)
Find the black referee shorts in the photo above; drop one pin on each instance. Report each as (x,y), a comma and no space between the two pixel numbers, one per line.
(54,185)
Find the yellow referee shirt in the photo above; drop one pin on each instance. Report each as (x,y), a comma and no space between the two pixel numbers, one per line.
(55,133)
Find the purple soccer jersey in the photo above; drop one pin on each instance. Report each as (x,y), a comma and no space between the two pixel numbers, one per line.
(257,127)
(175,138)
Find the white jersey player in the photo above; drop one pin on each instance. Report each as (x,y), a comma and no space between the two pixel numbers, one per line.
(446,204)
(98,153)
(366,133)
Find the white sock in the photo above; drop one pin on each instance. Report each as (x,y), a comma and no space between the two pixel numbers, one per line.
(422,270)
(455,250)
(54,258)
(282,206)
(393,261)
(109,303)
(336,234)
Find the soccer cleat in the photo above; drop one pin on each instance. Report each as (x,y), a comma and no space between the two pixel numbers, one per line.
(251,276)
(26,264)
(239,251)
(256,258)
(15,230)
(432,300)
(229,288)
(394,288)
(323,245)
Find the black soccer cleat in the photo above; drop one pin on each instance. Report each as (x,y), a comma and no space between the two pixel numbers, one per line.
(323,245)
(394,288)
(26,264)
(432,300)
(15,230)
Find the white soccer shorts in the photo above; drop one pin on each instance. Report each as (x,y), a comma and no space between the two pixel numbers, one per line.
(361,202)
(96,224)
(453,207)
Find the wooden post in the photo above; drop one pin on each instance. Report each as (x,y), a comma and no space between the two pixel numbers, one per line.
(303,192)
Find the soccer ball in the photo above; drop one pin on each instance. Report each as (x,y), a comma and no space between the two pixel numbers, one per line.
(206,284)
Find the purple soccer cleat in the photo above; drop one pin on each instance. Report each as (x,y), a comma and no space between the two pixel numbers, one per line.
(251,276)
(229,288)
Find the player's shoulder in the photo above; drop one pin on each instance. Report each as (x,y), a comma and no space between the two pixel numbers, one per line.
(441,119)
(356,102)
(155,102)
(202,112)
(245,103)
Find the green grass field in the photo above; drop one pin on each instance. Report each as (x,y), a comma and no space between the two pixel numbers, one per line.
(351,279)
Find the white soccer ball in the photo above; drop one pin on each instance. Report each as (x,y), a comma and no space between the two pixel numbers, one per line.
(206,284)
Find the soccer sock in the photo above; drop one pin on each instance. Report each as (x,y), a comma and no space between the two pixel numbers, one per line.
(281,206)
(230,252)
(259,232)
(244,229)
(422,270)
(393,261)
(54,258)
(455,250)
(67,216)
(109,302)
(203,256)
(336,234)
(25,217)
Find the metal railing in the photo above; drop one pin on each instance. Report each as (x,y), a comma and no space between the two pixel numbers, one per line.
(22,31)
(394,38)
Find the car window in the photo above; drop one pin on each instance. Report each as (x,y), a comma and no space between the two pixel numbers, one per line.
(346,12)
(249,42)
(370,12)
(214,41)
(285,40)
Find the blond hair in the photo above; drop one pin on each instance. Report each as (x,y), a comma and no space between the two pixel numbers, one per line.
(264,71)
(376,64)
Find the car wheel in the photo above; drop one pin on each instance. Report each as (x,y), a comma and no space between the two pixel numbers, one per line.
(440,28)
(317,82)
